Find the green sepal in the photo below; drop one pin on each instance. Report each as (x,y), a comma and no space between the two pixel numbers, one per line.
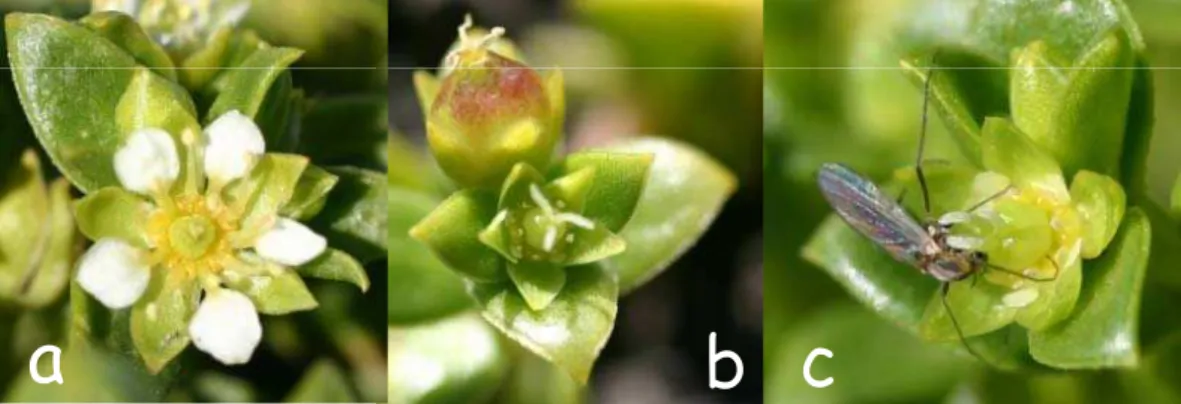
(338,266)
(268,187)
(452,229)
(276,293)
(619,179)
(159,321)
(310,193)
(1008,151)
(1100,202)
(538,282)
(515,191)
(572,189)
(124,32)
(497,237)
(1056,298)
(592,245)
(114,212)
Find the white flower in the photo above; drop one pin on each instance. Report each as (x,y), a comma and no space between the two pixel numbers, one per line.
(147,161)
(290,243)
(116,273)
(226,326)
(235,144)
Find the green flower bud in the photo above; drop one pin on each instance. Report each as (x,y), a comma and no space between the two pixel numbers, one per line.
(489,111)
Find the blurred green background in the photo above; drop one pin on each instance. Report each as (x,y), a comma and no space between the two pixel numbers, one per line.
(833,93)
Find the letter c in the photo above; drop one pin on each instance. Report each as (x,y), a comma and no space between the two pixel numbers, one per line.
(820,384)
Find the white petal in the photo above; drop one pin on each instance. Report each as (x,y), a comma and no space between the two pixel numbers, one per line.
(114,272)
(235,144)
(290,243)
(226,326)
(147,160)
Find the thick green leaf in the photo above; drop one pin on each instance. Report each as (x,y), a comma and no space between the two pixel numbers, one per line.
(684,192)
(1102,332)
(354,215)
(52,271)
(338,266)
(324,382)
(114,212)
(310,193)
(268,187)
(618,183)
(532,380)
(124,32)
(71,110)
(278,117)
(421,286)
(246,87)
(1100,202)
(159,321)
(1008,151)
(452,229)
(277,294)
(464,350)
(571,331)
(997,27)
(538,282)
(24,209)
(1078,116)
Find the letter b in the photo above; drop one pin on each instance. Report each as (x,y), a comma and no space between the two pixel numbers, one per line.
(714,356)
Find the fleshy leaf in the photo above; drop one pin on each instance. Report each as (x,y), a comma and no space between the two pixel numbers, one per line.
(1102,332)
(571,331)
(246,87)
(354,215)
(70,110)
(123,31)
(452,229)
(114,212)
(538,282)
(684,191)
(277,294)
(421,286)
(336,265)
(1008,151)
(471,361)
(159,321)
(1077,115)
(619,180)
(310,193)
(1100,202)
(268,187)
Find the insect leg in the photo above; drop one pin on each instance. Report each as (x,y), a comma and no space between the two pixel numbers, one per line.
(918,164)
(955,323)
(1027,277)
(901,195)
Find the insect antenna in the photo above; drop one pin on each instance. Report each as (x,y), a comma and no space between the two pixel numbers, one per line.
(943,290)
(981,204)
(918,164)
(1057,270)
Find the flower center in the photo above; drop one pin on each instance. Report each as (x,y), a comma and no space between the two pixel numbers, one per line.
(192,236)
(542,230)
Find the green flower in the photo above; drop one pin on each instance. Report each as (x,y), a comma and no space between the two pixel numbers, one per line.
(488,111)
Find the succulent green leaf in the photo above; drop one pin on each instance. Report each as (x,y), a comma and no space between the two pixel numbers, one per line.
(684,191)
(267,188)
(354,215)
(472,361)
(70,110)
(538,282)
(324,382)
(1008,151)
(1078,116)
(310,193)
(452,229)
(618,183)
(114,212)
(124,32)
(159,321)
(336,265)
(53,271)
(277,294)
(1100,202)
(571,331)
(246,87)
(1102,331)
(421,286)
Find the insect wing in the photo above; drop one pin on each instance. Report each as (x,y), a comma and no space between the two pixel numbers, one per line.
(859,202)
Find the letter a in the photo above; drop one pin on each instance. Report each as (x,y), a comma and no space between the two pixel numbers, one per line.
(57,373)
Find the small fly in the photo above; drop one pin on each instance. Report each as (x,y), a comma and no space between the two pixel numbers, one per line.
(929,246)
